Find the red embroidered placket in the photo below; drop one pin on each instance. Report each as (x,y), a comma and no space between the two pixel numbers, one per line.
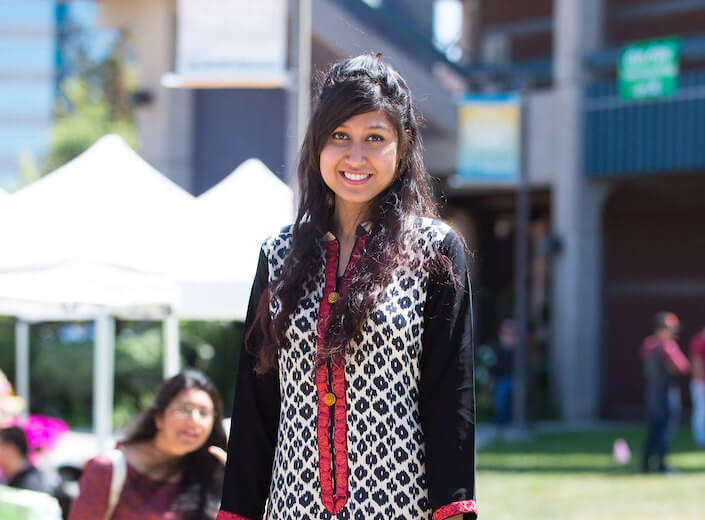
(333,496)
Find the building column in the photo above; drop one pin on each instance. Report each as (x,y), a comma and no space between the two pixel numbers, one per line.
(576,220)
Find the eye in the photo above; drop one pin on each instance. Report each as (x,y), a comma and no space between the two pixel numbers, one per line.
(339,136)
(375,138)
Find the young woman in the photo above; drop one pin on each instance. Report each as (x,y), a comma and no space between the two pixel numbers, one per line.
(174,455)
(355,394)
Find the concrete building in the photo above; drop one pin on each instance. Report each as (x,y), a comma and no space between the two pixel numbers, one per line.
(620,182)
(616,187)
(199,136)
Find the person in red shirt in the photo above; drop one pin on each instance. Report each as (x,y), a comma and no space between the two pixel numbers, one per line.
(663,363)
(697,386)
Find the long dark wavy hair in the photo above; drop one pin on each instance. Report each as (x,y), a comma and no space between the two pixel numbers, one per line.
(350,87)
(202,473)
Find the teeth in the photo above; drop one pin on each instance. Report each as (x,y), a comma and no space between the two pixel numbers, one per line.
(356,176)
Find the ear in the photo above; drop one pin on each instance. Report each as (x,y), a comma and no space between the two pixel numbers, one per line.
(159,421)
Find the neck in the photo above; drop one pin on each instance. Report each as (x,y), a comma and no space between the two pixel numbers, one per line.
(162,463)
(347,217)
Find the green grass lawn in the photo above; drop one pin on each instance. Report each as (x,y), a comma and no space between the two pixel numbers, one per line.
(572,476)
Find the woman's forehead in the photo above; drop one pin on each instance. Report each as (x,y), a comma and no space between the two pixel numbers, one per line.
(195,396)
(373,120)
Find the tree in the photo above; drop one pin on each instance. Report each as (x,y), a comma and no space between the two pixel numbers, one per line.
(94,100)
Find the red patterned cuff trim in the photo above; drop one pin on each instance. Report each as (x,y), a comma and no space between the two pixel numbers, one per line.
(224,515)
(456,508)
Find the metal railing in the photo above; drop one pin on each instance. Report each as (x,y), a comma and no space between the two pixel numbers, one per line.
(624,138)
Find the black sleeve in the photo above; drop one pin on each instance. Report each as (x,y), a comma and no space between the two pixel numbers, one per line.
(254,426)
(447,392)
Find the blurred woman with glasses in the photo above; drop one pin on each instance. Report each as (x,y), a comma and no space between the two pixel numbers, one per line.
(174,455)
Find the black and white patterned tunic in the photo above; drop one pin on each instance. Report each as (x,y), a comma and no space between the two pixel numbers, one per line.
(388,432)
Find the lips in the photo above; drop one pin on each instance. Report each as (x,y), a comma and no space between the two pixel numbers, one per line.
(190,435)
(355,177)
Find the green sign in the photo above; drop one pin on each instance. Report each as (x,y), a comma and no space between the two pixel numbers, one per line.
(649,69)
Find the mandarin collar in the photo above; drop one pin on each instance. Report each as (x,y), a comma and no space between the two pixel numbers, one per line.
(362,229)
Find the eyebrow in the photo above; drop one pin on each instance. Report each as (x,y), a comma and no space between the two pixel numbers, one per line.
(194,405)
(376,126)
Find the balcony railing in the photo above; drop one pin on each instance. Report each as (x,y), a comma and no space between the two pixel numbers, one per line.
(625,138)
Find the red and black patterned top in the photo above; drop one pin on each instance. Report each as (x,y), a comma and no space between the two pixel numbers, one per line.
(141,497)
(384,432)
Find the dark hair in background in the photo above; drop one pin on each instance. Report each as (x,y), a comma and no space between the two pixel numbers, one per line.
(350,87)
(201,481)
(15,435)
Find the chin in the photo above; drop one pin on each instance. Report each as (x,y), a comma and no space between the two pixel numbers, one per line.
(357,198)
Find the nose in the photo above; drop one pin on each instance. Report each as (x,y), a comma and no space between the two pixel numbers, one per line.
(197,416)
(194,416)
(355,154)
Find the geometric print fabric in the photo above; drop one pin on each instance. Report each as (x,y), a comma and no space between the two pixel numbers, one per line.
(385,446)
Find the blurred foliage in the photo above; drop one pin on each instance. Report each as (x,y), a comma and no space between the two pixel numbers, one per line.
(94,101)
(138,369)
(29,167)
(76,132)
(214,348)
(61,375)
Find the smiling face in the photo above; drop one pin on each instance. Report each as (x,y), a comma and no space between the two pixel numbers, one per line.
(186,423)
(359,159)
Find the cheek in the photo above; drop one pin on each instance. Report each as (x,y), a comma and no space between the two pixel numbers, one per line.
(388,159)
(326,160)
(327,165)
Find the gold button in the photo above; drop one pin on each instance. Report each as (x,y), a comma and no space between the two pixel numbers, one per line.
(333,297)
(329,399)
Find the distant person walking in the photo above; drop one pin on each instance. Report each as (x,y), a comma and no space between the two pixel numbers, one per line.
(697,386)
(663,361)
(502,373)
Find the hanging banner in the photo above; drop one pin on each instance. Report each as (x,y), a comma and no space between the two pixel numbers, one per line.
(238,43)
(488,140)
(649,69)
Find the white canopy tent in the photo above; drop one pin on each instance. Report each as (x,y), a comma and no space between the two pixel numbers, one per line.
(232,219)
(107,206)
(86,241)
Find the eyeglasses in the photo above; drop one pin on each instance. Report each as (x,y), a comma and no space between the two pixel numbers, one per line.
(185,410)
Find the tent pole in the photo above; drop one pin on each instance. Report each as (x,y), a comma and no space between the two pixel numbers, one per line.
(170,328)
(103,379)
(22,361)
